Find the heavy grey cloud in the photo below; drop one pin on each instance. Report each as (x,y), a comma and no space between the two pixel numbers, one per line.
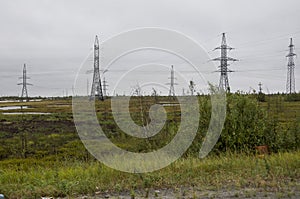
(54,36)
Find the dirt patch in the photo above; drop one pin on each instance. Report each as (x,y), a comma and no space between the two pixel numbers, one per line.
(256,193)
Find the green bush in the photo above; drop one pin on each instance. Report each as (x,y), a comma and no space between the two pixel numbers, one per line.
(247,125)
(294,97)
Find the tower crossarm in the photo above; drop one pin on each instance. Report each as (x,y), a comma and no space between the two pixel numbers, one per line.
(224,70)
(224,48)
(291,55)
(25,84)
(224,59)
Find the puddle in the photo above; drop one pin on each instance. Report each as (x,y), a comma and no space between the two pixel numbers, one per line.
(58,105)
(36,100)
(5,108)
(12,101)
(8,101)
(26,113)
(170,104)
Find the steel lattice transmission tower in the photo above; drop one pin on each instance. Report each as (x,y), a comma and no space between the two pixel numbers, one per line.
(224,82)
(172,83)
(96,91)
(24,84)
(290,84)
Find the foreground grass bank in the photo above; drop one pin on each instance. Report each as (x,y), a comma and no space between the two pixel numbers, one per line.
(31,178)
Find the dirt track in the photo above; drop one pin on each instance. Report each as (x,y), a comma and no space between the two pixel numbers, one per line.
(292,192)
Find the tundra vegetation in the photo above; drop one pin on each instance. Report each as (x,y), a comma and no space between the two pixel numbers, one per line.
(42,155)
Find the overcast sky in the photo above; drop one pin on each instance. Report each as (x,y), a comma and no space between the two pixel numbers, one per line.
(54,37)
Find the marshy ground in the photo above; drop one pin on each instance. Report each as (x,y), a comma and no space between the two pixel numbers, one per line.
(41,154)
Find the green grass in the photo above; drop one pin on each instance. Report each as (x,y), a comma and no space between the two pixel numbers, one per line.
(57,164)
(284,111)
(34,178)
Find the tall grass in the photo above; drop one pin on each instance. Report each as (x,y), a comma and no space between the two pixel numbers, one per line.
(35,178)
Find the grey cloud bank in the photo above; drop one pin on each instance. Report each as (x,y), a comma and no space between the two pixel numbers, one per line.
(54,37)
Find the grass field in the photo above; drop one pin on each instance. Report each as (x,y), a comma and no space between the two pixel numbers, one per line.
(34,178)
(41,155)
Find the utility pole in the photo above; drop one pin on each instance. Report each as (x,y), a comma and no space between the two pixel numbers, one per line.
(96,91)
(105,85)
(192,87)
(260,87)
(172,83)
(290,84)
(24,84)
(224,82)
(261,96)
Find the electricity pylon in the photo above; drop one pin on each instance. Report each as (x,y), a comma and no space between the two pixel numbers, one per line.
(24,84)
(224,82)
(96,91)
(260,87)
(172,83)
(290,84)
